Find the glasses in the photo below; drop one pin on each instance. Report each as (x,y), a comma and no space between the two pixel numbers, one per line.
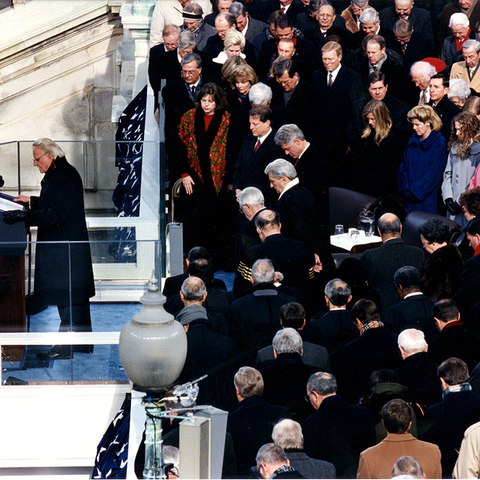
(307,397)
(36,160)
(188,72)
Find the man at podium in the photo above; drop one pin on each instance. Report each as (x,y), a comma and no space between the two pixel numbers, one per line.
(63,270)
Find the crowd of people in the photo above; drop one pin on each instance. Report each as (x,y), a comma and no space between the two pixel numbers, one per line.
(268,104)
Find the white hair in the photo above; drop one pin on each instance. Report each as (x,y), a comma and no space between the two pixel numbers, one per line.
(281,168)
(412,341)
(458,19)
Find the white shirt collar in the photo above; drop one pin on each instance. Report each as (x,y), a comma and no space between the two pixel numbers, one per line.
(335,72)
(263,137)
(289,185)
(304,150)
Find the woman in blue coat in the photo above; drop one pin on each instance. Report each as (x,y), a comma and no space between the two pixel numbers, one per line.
(424,159)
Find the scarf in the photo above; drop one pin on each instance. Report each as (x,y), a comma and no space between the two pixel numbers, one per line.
(370,325)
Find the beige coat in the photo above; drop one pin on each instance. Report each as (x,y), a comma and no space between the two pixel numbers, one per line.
(350,20)
(378,461)
(468,462)
(459,70)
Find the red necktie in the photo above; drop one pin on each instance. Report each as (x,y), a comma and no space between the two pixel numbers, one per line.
(257,146)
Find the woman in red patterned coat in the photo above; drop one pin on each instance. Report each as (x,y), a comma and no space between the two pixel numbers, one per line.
(205,201)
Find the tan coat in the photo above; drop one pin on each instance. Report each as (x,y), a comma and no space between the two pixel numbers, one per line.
(459,70)
(378,461)
(350,20)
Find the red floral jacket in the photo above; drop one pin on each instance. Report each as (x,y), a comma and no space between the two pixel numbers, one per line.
(186,132)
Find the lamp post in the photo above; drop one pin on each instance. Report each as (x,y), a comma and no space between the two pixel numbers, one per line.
(153,348)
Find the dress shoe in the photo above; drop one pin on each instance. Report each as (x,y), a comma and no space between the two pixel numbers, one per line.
(55,355)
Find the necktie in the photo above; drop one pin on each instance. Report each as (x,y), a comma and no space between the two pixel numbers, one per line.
(193,91)
(330,79)
(257,146)
(283,9)
(423,98)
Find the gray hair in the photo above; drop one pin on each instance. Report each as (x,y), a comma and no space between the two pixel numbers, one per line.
(458,19)
(412,341)
(287,340)
(281,168)
(459,88)
(193,7)
(338,292)
(237,9)
(186,39)
(193,288)
(49,147)
(287,134)
(252,196)
(360,3)
(226,17)
(171,454)
(260,93)
(288,434)
(423,68)
(411,1)
(471,43)
(369,15)
(323,383)
(271,454)
(263,271)
(192,57)
(408,467)
(387,226)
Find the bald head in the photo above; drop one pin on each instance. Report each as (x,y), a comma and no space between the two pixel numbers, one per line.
(389,226)
(267,223)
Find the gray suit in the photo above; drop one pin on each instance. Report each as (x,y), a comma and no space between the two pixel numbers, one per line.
(382,263)
(310,467)
(255,27)
(313,355)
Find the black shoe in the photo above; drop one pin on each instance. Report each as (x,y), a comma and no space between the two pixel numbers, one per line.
(55,355)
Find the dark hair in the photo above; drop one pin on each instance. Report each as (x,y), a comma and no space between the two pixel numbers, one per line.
(202,268)
(377,39)
(408,277)
(445,310)
(389,226)
(198,252)
(217,93)
(473,226)
(262,112)
(470,199)
(469,126)
(382,376)
(284,21)
(285,65)
(434,230)
(445,79)
(338,292)
(293,315)
(273,16)
(454,371)
(375,77)
(397,416)
(366,311)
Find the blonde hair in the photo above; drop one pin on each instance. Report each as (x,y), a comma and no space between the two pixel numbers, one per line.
(382,116)
(425,113)
(244,72)
(234,37)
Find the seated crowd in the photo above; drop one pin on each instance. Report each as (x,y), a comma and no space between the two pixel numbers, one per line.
(370,368)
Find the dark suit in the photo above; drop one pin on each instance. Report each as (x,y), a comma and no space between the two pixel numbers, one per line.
(301,220)
(450,54)
(312,171)
(414,311)
(468,291)
(285,382)
(316,36)
(208,349)
(418,48)
(254,28)
(305,105)
(456,341)
(250,426)
(333,330)
(448,420)
(313,355)
(290,257)
(337,102)
(310,467)
(338,432)
(269,6)
(255,318)
(382,263)
(174,284)
(250,166)
(420,19)
(419,374)
(394,73)
(376,348)
(446,110)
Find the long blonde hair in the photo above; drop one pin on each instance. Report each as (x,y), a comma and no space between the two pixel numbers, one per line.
(384,123)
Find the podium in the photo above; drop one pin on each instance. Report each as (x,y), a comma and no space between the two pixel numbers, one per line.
(13,242)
